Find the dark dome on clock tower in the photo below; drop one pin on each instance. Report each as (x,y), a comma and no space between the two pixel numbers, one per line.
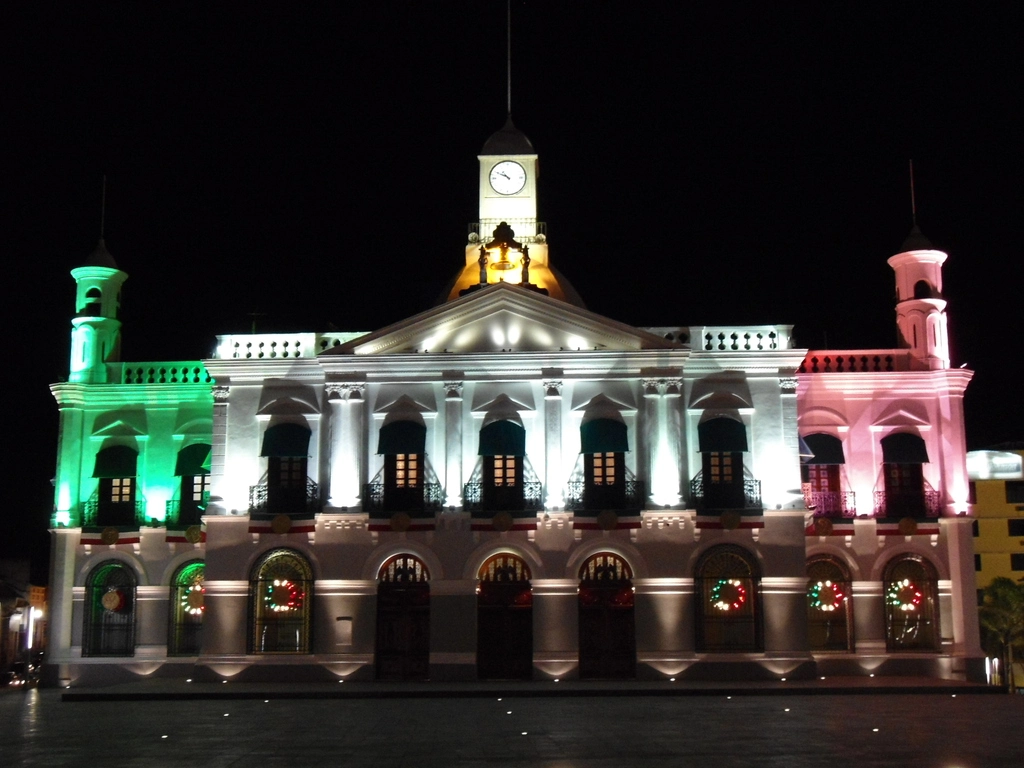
(508,141)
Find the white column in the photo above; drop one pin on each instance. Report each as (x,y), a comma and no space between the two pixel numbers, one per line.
(335,400)
(664,450)
(673,437)
(64,542)
(553,479)
(453,443)
(219,490)
(346,401)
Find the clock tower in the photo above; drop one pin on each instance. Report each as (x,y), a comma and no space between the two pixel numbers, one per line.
(508,182)
(507,244)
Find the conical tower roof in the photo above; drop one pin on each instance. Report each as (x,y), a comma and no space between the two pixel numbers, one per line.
(508,141)
(100,257)
(916,241)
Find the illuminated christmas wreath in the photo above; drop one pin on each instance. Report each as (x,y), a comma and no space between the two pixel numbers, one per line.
(283,595)
(192,599)
(904,596)
(113,600)
(826,596)
(728,594)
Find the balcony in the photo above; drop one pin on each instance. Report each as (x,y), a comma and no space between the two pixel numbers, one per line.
(856,361)
(924,503)
(831,503)
(375,499)
(716,497)
(267,502)
(509,500)
(575,497)
(189,513)
(126,514)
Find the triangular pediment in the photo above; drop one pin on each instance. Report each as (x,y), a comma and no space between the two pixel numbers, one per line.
(120,424)
(503,317)
(907,414)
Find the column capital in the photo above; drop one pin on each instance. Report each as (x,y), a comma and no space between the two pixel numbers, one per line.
(552,389)
(453,390)
(220,393)
(347,390)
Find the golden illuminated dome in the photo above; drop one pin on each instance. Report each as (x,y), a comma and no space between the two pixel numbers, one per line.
(506,262)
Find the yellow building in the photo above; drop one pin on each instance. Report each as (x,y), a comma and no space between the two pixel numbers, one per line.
(997,491)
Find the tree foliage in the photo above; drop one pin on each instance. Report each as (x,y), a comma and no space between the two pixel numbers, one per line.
(1002,620)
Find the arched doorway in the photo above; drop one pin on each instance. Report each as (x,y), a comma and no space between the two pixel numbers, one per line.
(911,605)
(187,608)
(607,633)
(504,623)
(728,601)
(281,602)
(828,605)
(110,610)
(402,650)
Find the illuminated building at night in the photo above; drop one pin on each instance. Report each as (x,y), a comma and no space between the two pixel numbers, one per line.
(509,486)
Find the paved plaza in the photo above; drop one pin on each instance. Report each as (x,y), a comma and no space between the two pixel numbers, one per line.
(940,730)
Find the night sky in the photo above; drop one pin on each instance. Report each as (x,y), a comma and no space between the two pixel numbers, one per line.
(730,164)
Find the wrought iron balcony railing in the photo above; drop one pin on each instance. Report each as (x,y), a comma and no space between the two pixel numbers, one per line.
(124,514)
(266,501)
(831,503)
(706,496)
(532,499)
(575,496)
(190,510)
(375,499)
(924,503)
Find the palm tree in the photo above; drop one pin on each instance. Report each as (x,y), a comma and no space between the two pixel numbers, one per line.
(1002,616)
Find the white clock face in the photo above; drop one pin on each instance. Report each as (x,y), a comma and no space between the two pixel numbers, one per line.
(508,177)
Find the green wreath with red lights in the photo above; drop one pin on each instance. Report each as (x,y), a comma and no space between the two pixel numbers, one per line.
(283,595)
(728,595)
(826,596)
(903,595)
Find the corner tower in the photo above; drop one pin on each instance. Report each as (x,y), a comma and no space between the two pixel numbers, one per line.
(920,308)
(96,331)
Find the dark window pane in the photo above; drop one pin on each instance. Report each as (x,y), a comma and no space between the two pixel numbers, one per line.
(1017,562)
(977,562)
(1015,491)
(1015,527)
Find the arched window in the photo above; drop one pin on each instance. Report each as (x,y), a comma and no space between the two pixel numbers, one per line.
(504,648)
(607,633)
(720,485)
(402,651)
(911,605)
(903,455)
(820,475)
(193,469)
(288,490)
(828,605)
(115,503)
(503,449)
(187,607)
(281,603)
(403,445)
(604,444)
(110,610)
(922,290)
(728,597)
(93,303)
